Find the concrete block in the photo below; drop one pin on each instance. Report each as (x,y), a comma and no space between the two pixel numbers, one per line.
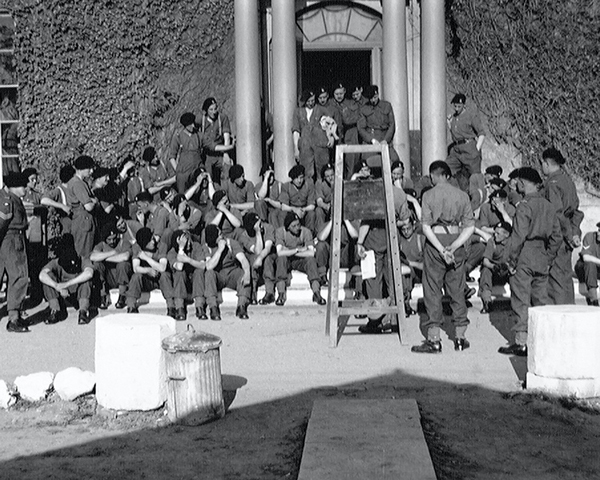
(359,439)
(34,387)
(73,382)
(564,341)
(130,366)
(581,388)
(6,397)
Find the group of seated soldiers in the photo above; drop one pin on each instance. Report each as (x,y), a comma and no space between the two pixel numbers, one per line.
(129,228)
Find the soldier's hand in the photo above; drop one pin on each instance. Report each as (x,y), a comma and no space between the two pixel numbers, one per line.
(448,257)
(246,279)
(361,251)
(154,273)
(576,241)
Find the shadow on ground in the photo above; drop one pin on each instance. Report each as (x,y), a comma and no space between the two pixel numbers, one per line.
(472,433)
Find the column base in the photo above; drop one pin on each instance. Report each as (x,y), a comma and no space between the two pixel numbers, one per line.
(580,387)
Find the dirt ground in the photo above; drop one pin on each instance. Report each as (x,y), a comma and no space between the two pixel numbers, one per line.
(472,433)
(478,424)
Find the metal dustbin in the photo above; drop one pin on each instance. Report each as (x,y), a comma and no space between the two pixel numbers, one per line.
(194,388)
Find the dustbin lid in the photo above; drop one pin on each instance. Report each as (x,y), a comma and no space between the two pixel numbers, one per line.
(191,341)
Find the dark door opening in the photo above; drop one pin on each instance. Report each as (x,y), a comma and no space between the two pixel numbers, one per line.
(328,68)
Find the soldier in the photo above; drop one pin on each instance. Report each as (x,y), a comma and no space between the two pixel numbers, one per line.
(268,206)
(187,259)
(112,262)
(13,249)
(350,112)
(240,191)
(493,268)
(150,271)
(586,267)
(298,196)
(154,175)
(448,224)
(377,124)
(223,215)
(185,150)
(82,202)
(67,276)
(295,251)
(531,249)
(226,266)
(57,198)
(560,191)
(468,135)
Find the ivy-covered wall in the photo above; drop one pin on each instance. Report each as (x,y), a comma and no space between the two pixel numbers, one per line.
(107,78)
(532,67)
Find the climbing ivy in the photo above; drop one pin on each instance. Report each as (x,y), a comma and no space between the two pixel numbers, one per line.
(532,67)
(108,78)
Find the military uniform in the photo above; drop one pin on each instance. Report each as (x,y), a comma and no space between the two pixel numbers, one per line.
(531,248)
(560,191)
(13,252)
(465,128)
(141,282)
(83,226)
(312,144)
(447,210)
(587,272)
(301,197)
(213,135)
(350,112)
(285,265)
(186,147)
(189,279)
(377,122)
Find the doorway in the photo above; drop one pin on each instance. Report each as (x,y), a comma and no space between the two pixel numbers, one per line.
(329,67)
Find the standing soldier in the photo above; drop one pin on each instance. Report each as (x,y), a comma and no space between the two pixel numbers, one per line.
(350,116)
(531,248)
(560,191)
(468,135)
(185,151)
(82,203)
(448,224)
(13,256)
(377,124)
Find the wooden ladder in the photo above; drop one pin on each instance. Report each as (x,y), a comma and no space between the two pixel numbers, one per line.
(339,311)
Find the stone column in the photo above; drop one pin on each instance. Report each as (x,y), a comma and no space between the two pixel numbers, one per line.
(395,80)
(433,83)
(284,86)
(248,88)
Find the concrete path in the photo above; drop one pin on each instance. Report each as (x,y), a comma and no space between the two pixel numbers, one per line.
(350,439)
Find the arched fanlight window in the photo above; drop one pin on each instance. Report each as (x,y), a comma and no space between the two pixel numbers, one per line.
(9,116)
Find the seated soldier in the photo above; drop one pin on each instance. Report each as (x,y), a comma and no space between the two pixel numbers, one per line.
(349,234)
(411,253)
(67,276)
(226,266)
(493,270)
(187,259)
(200,192)
(111,259)
(586,267)
(185,216)
(240,191)
(155,216)
(154,174)
(398,178)
(150,271)
(324,196)
(298,196)
(258,241)
(268,205)
(223,216)
(295,251)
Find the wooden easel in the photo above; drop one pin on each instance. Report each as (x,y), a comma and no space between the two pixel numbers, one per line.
(339,311)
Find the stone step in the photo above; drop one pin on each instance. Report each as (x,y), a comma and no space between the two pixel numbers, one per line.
(360,439)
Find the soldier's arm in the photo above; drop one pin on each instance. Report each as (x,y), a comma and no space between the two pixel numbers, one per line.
(83,277)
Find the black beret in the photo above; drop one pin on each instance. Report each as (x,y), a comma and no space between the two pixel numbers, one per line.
(187,119)
(143,237)
(83,162)
(249,221)
(16,179)
(553,154)
(100,172)
(235,172)
(289,219)
(459,98)
(296,171)
(211,234)
(144,197)
(218,196)
(529,174)
(149,154)
(370,91)
(494,170)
